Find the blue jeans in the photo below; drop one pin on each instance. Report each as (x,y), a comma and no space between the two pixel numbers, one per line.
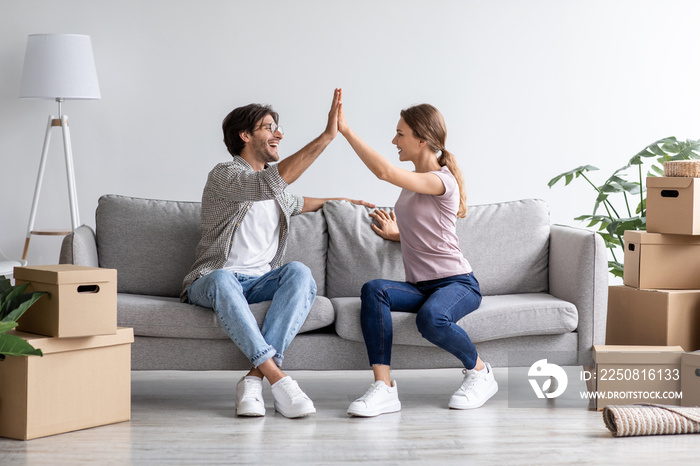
(438,305)
(292,290)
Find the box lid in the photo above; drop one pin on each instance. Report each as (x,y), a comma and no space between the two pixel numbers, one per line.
(654,291)
(691,359)
(669,182)
(635,354)
(644,237)
(62,274)
(50,345)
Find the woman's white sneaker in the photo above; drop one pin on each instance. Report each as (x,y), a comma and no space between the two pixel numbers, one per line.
(249,399)
(477,387)
(290,401)
(379,399)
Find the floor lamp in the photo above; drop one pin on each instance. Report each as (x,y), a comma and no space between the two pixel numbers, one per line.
(58,67)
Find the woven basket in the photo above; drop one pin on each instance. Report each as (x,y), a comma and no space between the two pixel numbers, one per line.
(682,168)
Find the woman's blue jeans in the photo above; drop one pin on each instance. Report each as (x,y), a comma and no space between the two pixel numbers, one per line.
(438,305)
(292,290)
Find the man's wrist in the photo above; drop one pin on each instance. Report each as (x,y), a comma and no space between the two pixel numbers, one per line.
(326,137)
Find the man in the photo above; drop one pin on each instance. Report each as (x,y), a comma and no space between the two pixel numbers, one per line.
(245,222)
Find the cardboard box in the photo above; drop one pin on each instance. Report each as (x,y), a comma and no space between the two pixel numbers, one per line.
(673,205)
(653,317)
(659,261)
(637,374)
(82,301)
(690,379)
(78,383)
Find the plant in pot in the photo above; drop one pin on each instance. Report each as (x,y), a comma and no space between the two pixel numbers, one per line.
(629,211)
(14,301)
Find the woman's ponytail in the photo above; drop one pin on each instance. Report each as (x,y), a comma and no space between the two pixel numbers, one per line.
(448,160)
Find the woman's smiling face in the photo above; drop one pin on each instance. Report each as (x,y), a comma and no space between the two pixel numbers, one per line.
(406,142)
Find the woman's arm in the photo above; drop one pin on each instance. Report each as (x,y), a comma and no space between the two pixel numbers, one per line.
(424,183)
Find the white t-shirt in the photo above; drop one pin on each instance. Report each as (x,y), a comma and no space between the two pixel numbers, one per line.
(255,243)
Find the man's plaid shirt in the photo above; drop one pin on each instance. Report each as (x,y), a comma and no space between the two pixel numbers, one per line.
(231,189)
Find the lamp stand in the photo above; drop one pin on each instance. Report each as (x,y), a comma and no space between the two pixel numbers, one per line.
(62,121)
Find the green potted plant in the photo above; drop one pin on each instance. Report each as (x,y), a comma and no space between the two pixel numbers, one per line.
(14,301)
(629,210)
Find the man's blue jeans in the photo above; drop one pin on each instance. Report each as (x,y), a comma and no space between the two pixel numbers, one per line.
(438,305)
(292,290)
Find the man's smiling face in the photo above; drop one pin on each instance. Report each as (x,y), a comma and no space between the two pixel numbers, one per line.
(265,143)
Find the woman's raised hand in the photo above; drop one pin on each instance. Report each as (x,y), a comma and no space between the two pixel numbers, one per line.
(388,228)
(343,127)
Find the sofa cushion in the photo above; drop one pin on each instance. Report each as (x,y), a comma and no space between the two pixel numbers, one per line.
(151,243)
(504,316)
(356,254)
(307,243)
(507,245)
(167,317)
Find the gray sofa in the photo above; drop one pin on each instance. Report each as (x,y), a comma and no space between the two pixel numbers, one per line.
(544,286)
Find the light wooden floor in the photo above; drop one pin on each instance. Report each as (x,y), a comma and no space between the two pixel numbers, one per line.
(188,418)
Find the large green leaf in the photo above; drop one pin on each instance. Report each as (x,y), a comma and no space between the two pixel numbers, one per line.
(7,326)
(619,226)
(12,345)
(7,303)
(20,304)
(616,268)
(569,176)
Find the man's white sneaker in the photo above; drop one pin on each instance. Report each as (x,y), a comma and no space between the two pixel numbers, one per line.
(249,399)
(477,387)
(290,401)
(378,399)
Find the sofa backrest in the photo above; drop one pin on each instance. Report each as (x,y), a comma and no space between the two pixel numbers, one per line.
(507,245)
(152,243)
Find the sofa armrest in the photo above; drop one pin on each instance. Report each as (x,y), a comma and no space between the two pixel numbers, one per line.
(80,248)
(578,273)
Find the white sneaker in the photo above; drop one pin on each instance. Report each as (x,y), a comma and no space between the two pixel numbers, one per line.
(249,399)
(378,399)
(290,401)
(477,387)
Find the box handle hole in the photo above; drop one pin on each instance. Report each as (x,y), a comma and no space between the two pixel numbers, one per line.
(669,193)
(630,246)
(88,289)
(697,372)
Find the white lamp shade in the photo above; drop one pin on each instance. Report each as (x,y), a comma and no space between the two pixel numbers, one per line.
(59,66)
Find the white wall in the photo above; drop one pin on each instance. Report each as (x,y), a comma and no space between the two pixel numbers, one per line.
(528,88)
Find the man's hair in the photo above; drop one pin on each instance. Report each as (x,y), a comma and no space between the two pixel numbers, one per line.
(243,119)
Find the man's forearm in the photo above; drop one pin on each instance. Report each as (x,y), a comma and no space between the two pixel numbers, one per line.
(312,204)
(293,166)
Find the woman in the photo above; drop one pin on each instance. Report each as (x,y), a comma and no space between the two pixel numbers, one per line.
(440,286)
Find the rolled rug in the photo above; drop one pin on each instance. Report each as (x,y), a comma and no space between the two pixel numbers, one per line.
(651,419)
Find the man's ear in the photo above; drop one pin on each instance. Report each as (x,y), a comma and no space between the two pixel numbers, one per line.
(245,136)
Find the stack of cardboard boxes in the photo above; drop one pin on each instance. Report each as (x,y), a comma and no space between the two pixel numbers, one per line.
(84,377)
(659,303)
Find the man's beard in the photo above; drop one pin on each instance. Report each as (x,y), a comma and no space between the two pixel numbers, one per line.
(263,152)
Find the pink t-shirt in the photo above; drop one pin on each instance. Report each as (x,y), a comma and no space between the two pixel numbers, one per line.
(427,224)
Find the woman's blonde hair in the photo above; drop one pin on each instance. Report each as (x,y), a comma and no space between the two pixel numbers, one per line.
(428,124)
